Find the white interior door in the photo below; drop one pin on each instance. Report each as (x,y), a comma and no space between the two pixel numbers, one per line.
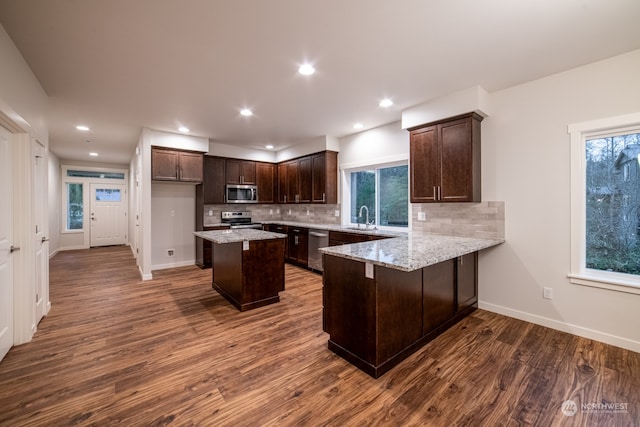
(6,242)
(108,214)
(41,244)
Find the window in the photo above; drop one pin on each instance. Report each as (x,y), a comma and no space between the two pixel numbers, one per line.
(385,193)
(605,186)
(75,208)
(108,195)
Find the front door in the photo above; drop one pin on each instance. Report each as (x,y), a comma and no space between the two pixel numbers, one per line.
(6,242)
(108,214)
(41,244)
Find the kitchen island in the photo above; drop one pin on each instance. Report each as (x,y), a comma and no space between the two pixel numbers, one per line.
(248,266)
(383,300)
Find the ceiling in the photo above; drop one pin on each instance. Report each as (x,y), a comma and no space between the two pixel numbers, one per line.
(120,65)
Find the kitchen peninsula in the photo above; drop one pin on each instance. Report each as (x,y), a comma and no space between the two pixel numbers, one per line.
(384,299)
(248,266)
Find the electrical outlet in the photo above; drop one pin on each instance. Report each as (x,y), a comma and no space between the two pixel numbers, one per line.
(270,211)
(210,212)
(307,212)
(337,212)
(422,216)
(170,252)
(547,293)
(172,213)
(289,211)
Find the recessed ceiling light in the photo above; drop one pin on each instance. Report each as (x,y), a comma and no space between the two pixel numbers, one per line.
(306,69)
(183,129)
(93,154)
(386,102)
(83,128)
(269,147)
(246,112)
(358,126)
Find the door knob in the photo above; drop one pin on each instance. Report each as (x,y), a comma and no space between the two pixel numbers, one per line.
(13,249)
(44,239)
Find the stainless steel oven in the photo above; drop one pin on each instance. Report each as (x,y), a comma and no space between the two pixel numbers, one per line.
(239,220)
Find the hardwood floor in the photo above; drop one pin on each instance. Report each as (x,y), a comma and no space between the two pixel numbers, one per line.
(116,350)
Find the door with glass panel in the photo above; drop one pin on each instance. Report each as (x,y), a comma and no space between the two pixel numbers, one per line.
(108,214)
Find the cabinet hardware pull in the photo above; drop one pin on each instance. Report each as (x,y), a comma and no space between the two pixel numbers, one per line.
(323,197)
(439,193)
(285,198)
(434,193)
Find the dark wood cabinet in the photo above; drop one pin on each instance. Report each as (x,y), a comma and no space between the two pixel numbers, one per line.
(203,247)
(444,160)
(299,245)
(337,238)
(305,183)
(213,183)
(266,182)
(282,229)
(467,281)
(176,165)
(438,293)
(241,171)
(377,319)
(309,179)
(324,177)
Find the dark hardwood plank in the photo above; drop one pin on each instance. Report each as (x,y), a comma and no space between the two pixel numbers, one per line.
(172,351)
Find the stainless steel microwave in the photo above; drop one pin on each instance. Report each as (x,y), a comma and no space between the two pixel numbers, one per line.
(242,194)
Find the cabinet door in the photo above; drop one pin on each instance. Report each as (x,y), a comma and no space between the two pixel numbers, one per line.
(438,293)
(293,189)
(467,280)
(282,183)
(214,180)
(424,165)
(248,175)
(190,167)
(233,171)
(324,169)
(457,158)
(298,245)
(265,180)
(305,179)
(164,165)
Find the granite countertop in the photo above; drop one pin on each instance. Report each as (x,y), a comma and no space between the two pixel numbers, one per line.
(238,235)
(338,227)
(415,251)
(215,224)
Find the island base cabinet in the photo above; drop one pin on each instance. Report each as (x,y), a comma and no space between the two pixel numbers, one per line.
(249,277)
(376,322)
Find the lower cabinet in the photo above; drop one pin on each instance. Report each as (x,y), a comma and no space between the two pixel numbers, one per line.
(203,248)
(376,321)
(299,245)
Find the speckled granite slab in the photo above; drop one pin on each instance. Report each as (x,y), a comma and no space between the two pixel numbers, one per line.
(413,252)
(238,235)
(347,229)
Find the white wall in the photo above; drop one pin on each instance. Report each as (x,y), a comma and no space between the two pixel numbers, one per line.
(21,96)
(55,198)
(173,223)
(384,144)
(240,152)
(525,162)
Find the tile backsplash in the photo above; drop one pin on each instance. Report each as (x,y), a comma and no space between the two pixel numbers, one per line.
(484,219)
(310,213)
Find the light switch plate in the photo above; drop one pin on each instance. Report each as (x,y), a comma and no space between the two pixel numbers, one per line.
(337,212)
(422,216)
(368,270)
(245,245)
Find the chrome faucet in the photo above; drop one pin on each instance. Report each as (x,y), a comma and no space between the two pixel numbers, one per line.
(366,224)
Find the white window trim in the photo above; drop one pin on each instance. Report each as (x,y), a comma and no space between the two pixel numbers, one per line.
(579,274)
(346,193)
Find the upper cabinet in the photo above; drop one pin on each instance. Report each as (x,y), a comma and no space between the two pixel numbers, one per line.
(176,165)
(309,179)
(266,182)
(444,160)
(241,172)
(213,184)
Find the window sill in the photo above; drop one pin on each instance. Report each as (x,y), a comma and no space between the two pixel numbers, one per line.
(613,284)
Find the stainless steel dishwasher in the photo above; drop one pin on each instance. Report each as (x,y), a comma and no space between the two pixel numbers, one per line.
(317,239)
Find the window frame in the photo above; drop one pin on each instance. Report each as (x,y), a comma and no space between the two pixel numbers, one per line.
(346,194)
(580,133)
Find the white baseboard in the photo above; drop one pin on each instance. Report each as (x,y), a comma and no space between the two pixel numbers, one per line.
(145,276)
(173,265)
(52,254)
(72,248)
(562,326)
